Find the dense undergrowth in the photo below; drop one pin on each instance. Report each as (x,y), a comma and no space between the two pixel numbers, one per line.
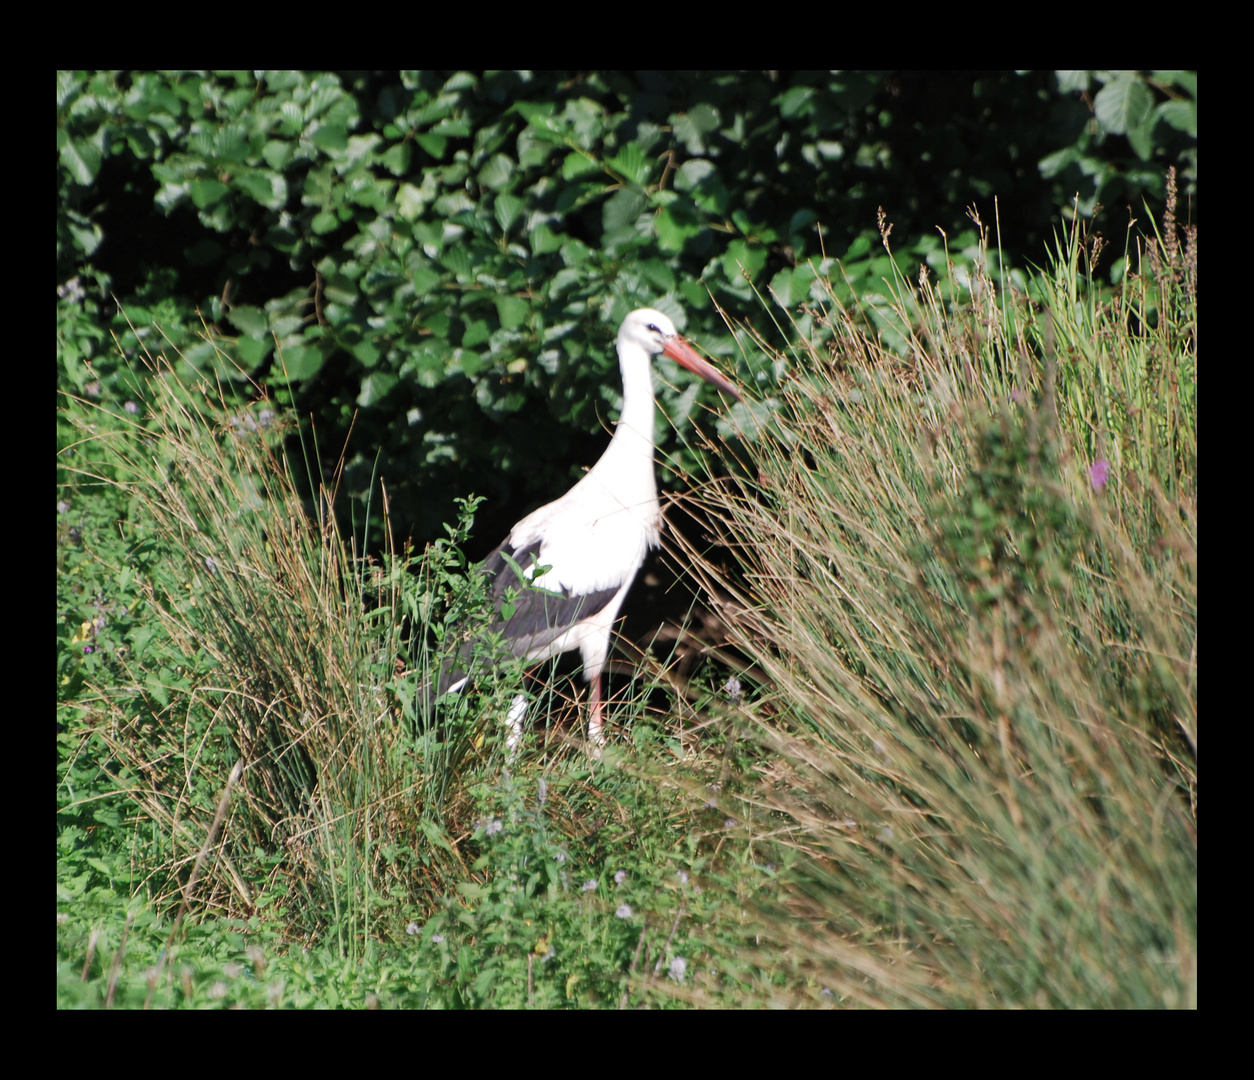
(947,757)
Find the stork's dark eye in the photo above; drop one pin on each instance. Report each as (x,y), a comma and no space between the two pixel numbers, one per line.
(655,329)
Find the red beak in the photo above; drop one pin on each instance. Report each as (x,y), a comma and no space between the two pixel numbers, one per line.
(681,352)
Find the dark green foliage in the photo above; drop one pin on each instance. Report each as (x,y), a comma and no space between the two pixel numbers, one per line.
(431,265)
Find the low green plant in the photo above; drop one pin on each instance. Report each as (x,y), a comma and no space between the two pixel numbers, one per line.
(603,891)
(253,639)
(263,642)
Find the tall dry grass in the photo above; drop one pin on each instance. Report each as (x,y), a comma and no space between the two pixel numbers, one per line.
(272,643)
(970,574)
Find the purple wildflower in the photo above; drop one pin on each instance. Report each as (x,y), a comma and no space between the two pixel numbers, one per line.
(1099,473)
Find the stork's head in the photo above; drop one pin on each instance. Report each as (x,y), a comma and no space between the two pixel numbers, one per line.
(652,332)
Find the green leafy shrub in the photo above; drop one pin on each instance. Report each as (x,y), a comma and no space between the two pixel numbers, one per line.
(431,264)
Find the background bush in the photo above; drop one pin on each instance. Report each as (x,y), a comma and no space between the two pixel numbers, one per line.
(442,258)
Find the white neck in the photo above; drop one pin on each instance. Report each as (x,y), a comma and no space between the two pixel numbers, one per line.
(633,437)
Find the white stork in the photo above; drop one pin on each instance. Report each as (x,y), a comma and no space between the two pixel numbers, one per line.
(590,542)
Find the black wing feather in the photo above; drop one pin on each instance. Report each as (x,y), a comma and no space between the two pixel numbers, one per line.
(540,616)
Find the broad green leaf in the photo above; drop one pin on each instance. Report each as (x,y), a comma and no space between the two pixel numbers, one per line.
(361,147)
(375,387)
(693,126)
(742,258)
(1123,103)
(366,352)
(631,164)
(411,201)
(622,208)
(575,165)
(533,151)
(230,143)
(436,109)
(1073,82)
(461,80)
(496,174)
(700,179)
(396,159)
(512,311)
(206,192)
(476,333)
(544,240)
(468,362)
(1181,115)
(675,226)
(459,260)
(1141,137)
(425,364)
(262,186)
(278,153)
(801,221)
(330,137)
(796,102)
(249,320)
(585,118)
(80,159)
(431,143)
(1053,164)
(253,350)
(535,113)
(657,273)
(424,279)
(507,209)
(781,288)
(303,361)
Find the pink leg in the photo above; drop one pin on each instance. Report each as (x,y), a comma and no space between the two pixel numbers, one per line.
(595,710)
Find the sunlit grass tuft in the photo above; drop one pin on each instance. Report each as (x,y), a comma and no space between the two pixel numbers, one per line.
(269,642)
(980,645)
